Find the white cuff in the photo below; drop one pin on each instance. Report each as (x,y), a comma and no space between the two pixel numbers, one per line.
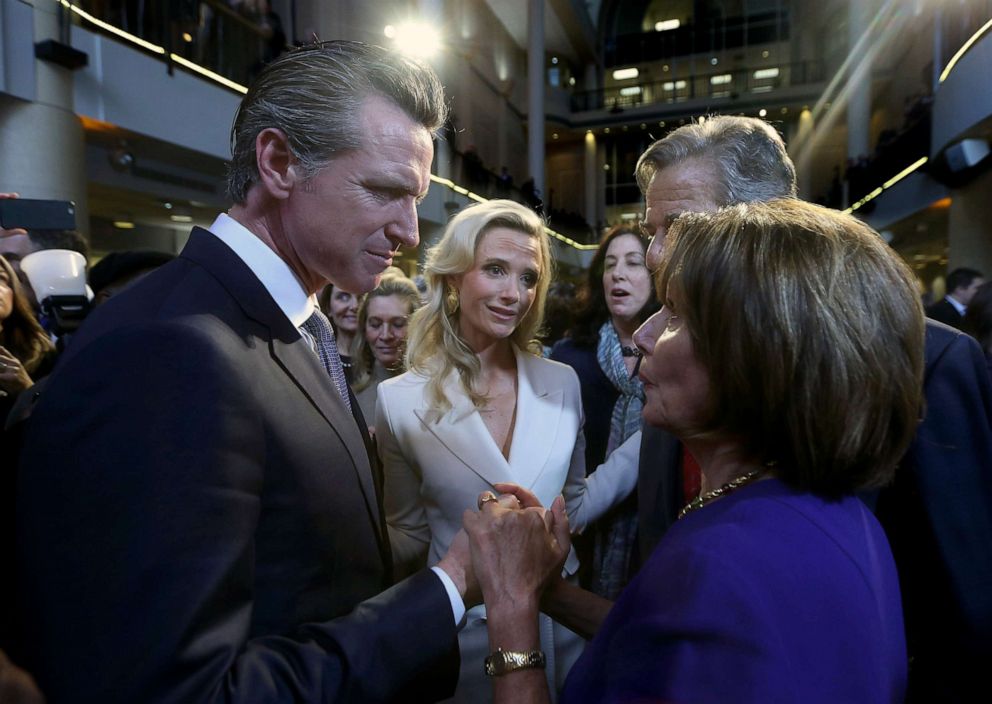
(457,605)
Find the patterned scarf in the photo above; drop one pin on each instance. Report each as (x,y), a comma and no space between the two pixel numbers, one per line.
(626,419)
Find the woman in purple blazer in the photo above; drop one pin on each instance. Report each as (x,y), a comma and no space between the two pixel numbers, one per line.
(788,358)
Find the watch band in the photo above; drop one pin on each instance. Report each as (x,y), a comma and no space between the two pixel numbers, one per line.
(505,661)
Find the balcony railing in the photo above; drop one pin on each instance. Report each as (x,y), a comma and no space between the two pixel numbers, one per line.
(703,36)
(234,41)
(679,86)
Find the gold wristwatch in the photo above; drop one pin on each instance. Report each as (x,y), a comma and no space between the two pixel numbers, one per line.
(504,661)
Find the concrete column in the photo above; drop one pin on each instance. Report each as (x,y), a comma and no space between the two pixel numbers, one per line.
(593,195)
(535,93)
(859,103)
(969,237)
(42,143)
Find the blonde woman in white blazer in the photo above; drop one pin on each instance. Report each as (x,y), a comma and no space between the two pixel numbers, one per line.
(478,407)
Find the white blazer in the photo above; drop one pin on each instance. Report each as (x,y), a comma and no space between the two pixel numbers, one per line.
(436,466)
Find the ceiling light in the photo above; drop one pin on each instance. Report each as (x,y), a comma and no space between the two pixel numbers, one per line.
(123,224)
(417,39)
(720,80)
(763,73)
(666,25)
(181,218)
(623,74)
(630,90)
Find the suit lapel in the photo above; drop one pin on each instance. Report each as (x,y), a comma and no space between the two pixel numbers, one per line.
(463,432)
(538,414)
(305,370)
(289,351)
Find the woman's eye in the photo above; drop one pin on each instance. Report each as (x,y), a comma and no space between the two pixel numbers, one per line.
(494,269)
(530,280)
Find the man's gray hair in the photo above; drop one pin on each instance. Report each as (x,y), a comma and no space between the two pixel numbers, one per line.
(314,94)
(748,154)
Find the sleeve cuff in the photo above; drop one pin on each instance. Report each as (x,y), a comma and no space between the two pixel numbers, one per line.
(457,605)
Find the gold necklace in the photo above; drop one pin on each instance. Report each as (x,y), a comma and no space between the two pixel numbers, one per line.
(709,496)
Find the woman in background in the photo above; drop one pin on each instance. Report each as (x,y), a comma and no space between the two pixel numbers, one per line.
(479,405)
(341,307)
(26,352)
(617,297)
(383,320)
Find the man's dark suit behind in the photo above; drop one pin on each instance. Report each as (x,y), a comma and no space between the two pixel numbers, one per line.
(942,311)
(229,543)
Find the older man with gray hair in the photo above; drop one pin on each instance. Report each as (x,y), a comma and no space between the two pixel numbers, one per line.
(938,513)
(700,167)
(199,512)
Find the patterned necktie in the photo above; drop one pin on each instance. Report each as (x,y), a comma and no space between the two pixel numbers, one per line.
(319,328)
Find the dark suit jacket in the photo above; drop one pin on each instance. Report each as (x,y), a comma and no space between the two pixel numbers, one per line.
(937,515)
(197,517)
(942,311)
(768,595)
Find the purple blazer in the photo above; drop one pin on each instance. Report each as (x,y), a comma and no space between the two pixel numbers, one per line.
(767,595)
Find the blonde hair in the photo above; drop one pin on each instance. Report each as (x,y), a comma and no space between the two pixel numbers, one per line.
(394,283)
(435,347)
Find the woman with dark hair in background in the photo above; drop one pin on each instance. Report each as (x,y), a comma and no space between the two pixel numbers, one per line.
(616,299)
(341,307)
(26,352)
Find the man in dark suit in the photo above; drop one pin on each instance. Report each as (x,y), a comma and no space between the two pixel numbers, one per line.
(198,517)
(938,513)
(961,286)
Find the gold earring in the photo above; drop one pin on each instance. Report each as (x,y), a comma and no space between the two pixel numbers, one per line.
(451,301)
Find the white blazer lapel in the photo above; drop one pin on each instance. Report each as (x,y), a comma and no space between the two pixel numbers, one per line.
(538,415)
(462,431)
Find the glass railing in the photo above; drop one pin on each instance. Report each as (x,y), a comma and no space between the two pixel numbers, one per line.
(232,39)
(958,22)
(706,36)
(681,85)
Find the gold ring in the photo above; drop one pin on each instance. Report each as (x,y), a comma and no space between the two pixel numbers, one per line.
(486,498)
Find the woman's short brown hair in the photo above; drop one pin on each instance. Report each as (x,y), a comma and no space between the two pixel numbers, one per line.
(812,332)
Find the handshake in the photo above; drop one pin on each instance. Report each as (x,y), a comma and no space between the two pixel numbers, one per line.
(509,551)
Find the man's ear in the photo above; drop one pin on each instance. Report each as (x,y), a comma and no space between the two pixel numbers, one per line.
(276,164)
